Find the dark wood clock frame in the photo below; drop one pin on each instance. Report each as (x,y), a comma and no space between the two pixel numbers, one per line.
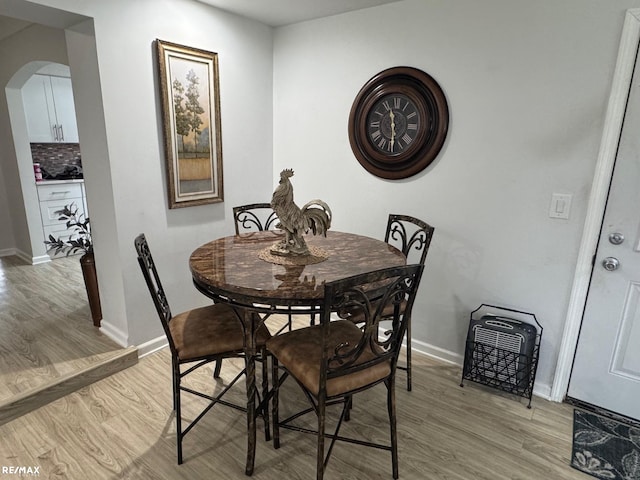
(430,103)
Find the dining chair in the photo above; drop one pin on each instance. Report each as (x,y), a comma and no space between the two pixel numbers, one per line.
(336,359)
(254,217)
(412,237)
(198,337)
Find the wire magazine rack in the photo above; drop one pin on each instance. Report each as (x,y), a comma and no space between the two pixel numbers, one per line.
(502,351)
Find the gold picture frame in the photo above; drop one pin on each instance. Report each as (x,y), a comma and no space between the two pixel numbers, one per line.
(190,102)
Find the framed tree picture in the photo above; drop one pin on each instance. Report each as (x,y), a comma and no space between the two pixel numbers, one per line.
(190,102)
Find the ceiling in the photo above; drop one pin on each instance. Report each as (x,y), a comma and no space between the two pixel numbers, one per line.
(277,13)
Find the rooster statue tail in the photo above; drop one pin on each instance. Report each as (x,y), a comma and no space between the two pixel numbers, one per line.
(317,215)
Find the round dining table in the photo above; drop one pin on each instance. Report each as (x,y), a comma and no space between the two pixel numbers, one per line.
(233,270)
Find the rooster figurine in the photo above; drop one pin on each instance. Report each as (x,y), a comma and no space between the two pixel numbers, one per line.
(295,221)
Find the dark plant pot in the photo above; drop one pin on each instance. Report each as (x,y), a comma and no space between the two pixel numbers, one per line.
(88,265)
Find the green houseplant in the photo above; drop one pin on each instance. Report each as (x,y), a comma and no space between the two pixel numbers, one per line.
(79,242)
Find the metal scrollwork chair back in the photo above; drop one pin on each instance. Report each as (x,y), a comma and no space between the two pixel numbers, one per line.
(410,235)
(337,359)
(254,217)
(197,337)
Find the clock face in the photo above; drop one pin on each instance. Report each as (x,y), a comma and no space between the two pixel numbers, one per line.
(393,124)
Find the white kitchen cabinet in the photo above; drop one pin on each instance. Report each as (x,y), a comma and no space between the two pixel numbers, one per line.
(49,109)
(53,196)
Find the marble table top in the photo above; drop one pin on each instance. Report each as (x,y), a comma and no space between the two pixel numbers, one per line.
(232,267)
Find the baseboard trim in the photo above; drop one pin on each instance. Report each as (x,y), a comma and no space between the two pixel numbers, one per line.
(14,252)
(437,352)
(58,388)
(543,390)
(114,333)
(38,260)
(152,346)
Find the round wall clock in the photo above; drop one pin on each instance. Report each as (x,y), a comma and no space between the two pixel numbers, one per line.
(398,122)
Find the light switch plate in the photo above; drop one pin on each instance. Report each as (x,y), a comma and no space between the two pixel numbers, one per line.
(560,205)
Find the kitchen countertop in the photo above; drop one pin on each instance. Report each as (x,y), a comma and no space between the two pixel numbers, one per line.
(57,182)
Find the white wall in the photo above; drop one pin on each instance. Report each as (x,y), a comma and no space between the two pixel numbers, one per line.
(527,85)
(7,239)
(128,157)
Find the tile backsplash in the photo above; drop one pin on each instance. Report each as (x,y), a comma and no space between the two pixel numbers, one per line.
(54,156)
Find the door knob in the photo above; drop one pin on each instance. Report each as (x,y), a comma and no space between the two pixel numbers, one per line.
(616,238)
(610,264)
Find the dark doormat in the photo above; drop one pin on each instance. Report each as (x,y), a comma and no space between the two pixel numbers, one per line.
(605,448)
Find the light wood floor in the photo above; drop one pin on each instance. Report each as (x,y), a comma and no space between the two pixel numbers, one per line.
(46,331)
(123,427)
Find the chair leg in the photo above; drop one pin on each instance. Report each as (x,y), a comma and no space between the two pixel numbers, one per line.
(178,411)
(274,402)
(409,355)
(218,367)
(391,407)
(347,414)
(321,427)
(265,392)
(175,380)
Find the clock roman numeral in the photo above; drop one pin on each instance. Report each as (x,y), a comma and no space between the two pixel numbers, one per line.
(411,115)
(376,135)
(375,124)
(382,143)
(412,126)
(386,105)
(396,102)
(407,139)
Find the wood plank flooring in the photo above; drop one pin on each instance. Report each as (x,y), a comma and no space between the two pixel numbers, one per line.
(123,427)
(47,336)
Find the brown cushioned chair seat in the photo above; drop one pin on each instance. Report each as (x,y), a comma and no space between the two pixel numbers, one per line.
(300,352)
(209,331)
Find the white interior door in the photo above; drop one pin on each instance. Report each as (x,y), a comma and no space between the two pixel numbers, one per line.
(606,370)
